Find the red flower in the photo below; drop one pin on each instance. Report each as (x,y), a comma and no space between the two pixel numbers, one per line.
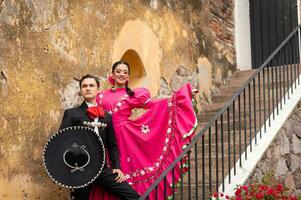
(237,192)
(215,194)
(293,198)
(270,191)
(259,191)
(280,187)
(263,187)
(245,188)
(260,195)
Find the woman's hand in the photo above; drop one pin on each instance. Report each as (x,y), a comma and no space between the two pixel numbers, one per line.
(120,176)
(194,91)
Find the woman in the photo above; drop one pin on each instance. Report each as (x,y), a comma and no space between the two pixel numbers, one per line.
(148,144)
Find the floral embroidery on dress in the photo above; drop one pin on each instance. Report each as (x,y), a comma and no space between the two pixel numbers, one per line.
(145,129)
(100,97)
(168,130)
(150,172)
(118,105)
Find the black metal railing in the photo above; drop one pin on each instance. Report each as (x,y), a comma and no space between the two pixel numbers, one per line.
(216,149)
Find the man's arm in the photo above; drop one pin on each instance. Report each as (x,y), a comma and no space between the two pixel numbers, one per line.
(113,151)
(67,120)
(111,144)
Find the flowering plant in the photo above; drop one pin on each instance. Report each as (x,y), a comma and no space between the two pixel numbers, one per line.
(268,189)
(255,191)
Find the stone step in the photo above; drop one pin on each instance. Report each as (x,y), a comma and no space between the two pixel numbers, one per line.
(216,106)
(235,124)
(284,74)
(245,122)
(245,139)
(184,194)
(208,190)
(271,80)
(272,71)
(261,116)
(245,73)
(284,68)
(243,135)
(221,171)
(213,107)
(272,88)
(206,116)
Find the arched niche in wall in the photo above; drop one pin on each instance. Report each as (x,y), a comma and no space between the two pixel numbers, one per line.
(137,70)
(137,44)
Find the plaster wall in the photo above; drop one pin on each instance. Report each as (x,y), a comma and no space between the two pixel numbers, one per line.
(46,45)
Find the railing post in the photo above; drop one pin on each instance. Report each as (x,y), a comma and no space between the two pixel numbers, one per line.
(223,162)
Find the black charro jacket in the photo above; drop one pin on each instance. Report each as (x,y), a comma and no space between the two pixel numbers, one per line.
(76,116)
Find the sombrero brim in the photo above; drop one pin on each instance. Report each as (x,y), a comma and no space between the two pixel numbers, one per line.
(57,145)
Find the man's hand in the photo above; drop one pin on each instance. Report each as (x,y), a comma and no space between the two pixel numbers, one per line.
(120,176)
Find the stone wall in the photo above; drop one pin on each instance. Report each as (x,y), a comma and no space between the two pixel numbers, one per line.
(283,157)
(46,44)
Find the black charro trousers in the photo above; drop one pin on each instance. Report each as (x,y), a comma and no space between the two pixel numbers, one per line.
(107,181)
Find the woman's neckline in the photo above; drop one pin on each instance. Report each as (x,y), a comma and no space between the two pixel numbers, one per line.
(117,89)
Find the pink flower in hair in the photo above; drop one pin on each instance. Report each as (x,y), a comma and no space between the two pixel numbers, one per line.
(111,80)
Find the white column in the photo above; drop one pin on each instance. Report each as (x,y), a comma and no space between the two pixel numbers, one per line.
(242,34)
(299,21)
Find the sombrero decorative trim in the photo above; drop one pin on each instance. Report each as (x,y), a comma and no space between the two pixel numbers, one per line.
(74,128)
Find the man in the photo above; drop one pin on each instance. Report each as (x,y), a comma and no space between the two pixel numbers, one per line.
(113,179)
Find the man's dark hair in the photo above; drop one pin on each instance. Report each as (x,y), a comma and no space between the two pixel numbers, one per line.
(89,76)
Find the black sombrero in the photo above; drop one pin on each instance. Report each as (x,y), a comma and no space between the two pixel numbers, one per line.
(74,157)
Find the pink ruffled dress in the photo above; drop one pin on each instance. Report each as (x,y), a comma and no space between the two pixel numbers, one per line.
(150,143)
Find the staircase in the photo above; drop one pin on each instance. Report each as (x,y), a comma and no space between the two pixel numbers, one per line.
(209,111)
(231,126)
(242,127)
(237,134)
(226,91)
